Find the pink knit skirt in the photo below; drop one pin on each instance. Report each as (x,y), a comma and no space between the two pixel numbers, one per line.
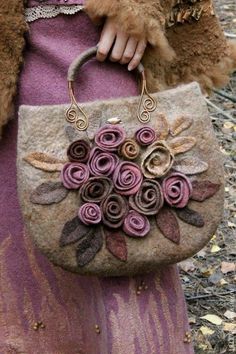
(78,314)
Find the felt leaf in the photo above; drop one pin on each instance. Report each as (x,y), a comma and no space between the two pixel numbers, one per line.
(182,144)
(44,162)
(213,319)
(48,193)
(180,124)
(190,217)
(168,225)
(203,190)
(89,247)
(161,126)
(190,165)
(71,133)
(73,231)
(116,244)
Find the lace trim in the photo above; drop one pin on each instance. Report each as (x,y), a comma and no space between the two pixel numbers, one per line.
(50,11)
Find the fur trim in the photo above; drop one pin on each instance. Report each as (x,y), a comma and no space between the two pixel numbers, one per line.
(12,29)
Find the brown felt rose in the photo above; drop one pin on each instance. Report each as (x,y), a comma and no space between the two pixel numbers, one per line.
(157,160)
(78,151)
(114,210)
(96,189)
(129,149)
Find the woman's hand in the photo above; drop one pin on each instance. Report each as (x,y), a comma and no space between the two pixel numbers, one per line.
(126,49)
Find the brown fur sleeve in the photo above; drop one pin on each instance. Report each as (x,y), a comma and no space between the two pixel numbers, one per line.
(12,29)
(144,19)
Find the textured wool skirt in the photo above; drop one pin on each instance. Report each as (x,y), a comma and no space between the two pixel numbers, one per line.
(44,309)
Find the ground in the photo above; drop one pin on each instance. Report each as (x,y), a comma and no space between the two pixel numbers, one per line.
(209,278)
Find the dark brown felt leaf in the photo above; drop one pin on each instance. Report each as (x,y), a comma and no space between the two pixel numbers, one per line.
(48,193)
(44,161)
(203,190)
(116,244)
(168,224)
(73,231)
(190,217)
(89,247)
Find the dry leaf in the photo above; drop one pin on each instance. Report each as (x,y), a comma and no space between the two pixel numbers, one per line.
(48,193)
(216,320)
(206,331)
(44,162)
(223,282)
(230,315)
(190,165)
(227,267)
(230,327)
(181,144)
(215,249)
(187,265)
(161,126)
(180,124)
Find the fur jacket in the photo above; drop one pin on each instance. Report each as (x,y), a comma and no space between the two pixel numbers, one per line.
(185,40)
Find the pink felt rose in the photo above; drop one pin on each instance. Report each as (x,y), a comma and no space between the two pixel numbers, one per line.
(90,214)
(145,136)
(102,163)
(177,190)
(74,174)
(110,137)
(136,225)
(127,178)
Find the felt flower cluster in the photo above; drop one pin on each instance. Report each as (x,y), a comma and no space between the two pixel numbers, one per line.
(124,181)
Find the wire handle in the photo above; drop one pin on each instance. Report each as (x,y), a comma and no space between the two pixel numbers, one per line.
(75,113)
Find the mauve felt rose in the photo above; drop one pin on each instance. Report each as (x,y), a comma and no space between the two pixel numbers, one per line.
(145,136)
(102,163)
(129,149)
(78,151)
(90,214)
(136,225)
(96,189)
(177,189)
(74,174)
(114,209)
(127,178)
(149,198)
(110,137)
(157,160)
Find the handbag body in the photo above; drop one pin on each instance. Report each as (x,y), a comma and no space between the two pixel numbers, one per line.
(122,186)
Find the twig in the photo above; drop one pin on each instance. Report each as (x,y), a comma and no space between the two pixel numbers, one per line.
(230,35)
(225,95)
(203,296)
(226,115)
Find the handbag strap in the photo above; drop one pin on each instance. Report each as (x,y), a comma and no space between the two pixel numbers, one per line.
(75,113)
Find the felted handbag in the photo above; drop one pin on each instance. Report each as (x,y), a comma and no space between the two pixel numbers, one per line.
(123,186)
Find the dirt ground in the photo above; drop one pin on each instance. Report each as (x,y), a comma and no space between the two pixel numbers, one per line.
(209,278)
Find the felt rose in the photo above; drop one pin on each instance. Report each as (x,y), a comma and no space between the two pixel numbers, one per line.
(136,225)
(74,174)
(157,160)
(145,136)
(129,149)
(78,151)
(127,178)
(90,214)
(177,190)
(114,209)
(110,137)
(149,198)
(96,189)
(102,163)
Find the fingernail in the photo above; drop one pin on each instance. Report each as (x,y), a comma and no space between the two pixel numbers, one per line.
(130,67)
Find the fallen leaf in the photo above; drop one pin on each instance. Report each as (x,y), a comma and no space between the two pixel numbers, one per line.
(89,247)
(48,193)
(215,249)
(228,125)
(230,315)
(180,124)
(206,272)
(187,265)
(206,331)
(190,216)
(168,225)
(181,144)
(44,162)
(231,224)
(116,244)
(190,165)
(216,320)
(223,282)
(227,267)
(73,231)
(230,327)
(203,190)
